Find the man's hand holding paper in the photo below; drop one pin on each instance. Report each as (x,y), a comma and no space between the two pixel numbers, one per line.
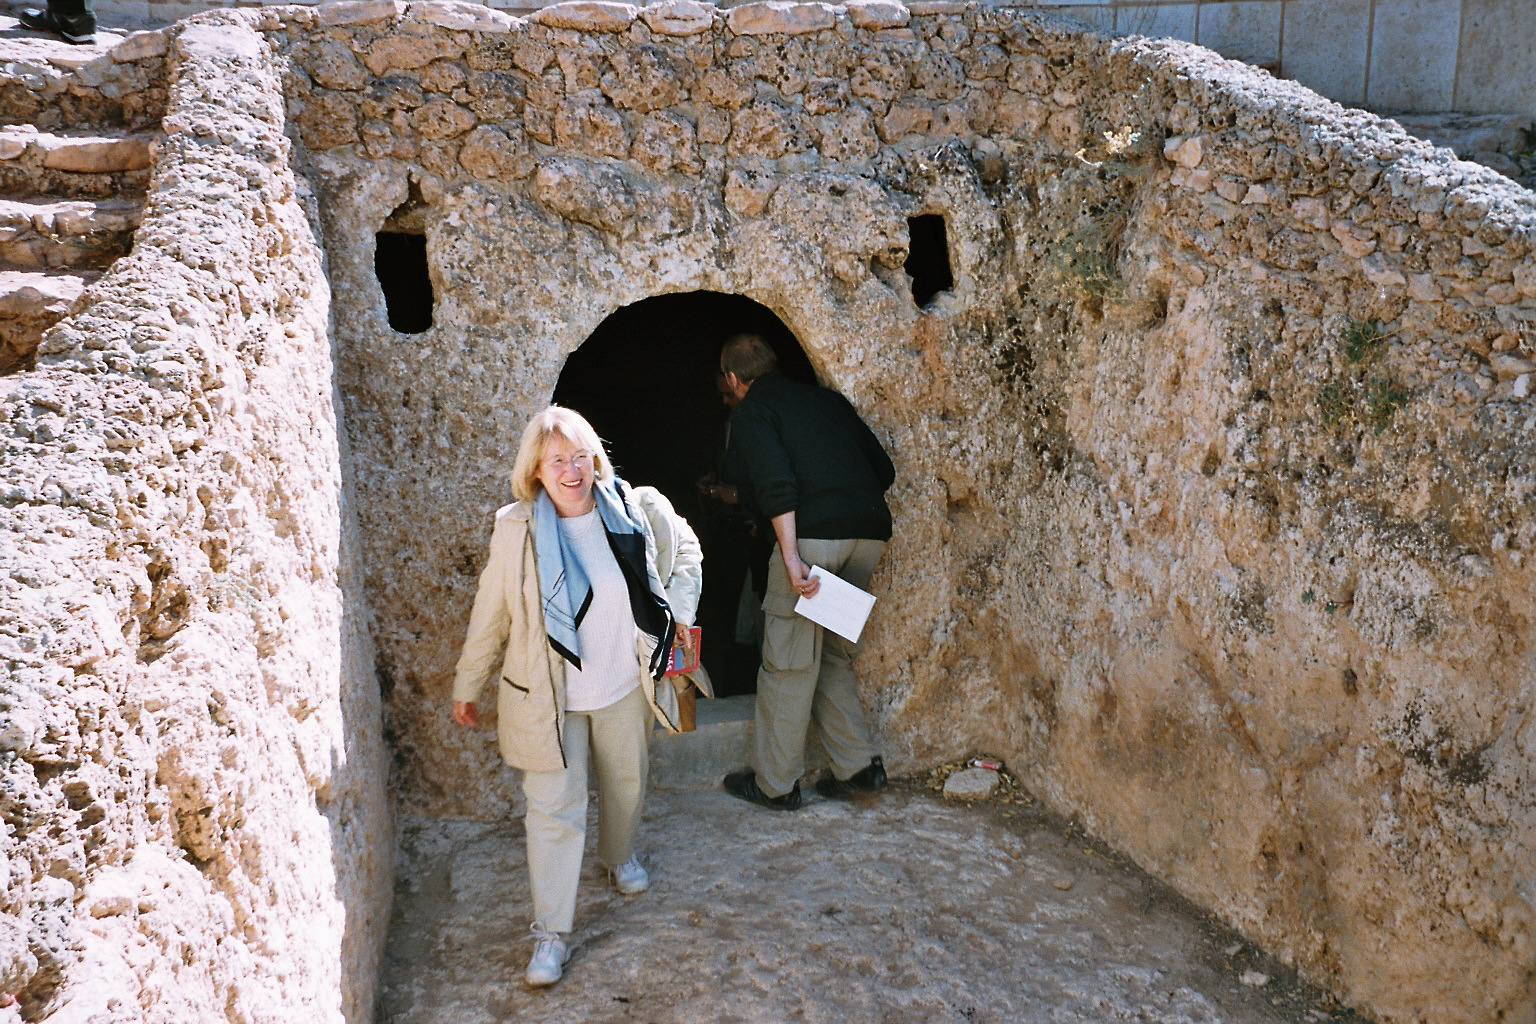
(836,605)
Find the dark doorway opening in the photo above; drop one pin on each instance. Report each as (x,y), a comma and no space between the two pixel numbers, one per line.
(928,257)
(646,380)
(400,264)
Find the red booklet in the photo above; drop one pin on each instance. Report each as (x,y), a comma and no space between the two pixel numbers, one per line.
(680,661)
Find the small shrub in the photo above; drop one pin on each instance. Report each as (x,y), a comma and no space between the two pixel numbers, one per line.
(1383,397)
(1086,259)
(1357,397)
(1362,339)
(1333,401)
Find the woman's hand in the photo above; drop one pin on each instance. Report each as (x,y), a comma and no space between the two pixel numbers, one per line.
(465,712)
(685,641)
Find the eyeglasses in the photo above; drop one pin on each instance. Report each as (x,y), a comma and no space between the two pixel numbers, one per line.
(559,463)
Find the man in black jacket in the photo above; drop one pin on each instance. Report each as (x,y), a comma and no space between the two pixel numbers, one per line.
(805,460)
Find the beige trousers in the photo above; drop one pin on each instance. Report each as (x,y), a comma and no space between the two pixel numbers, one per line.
(615,742)
(806,680)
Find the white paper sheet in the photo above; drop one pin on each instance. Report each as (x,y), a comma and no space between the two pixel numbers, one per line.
(838,605)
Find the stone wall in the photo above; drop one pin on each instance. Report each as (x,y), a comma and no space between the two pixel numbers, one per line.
(197,827)
(1215,463)
(1214,505)
(1390,55)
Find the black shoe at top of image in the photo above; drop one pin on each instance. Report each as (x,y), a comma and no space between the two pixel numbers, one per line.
(865,780)
(744,785)
(78,30)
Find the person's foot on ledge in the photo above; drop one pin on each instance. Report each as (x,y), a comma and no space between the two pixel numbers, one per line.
(744,785)
(865,780)
(78,29)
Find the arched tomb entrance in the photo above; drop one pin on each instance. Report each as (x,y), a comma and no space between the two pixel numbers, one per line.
(646,379)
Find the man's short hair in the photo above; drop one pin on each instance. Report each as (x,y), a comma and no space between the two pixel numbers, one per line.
(748,357)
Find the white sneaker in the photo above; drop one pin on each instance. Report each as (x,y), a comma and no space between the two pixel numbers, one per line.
(550,954)
(630,878)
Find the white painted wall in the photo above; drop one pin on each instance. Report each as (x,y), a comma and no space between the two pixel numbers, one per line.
(1476,56)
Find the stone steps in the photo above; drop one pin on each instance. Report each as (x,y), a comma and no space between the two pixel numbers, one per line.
(74,163)
(44,233)
(721,743)
(31,301)
(70,202)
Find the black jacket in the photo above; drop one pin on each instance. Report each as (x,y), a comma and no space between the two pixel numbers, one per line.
(802,449)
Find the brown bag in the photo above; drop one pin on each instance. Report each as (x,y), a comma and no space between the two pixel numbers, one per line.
(688,687)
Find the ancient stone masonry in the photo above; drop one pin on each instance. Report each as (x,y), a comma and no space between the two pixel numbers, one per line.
(1216,460)
(1216,463)
(189,742)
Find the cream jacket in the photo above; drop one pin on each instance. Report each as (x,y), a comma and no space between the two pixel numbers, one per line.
(530,703)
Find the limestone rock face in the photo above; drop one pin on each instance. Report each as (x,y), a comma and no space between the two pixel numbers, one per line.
(193,774)
(1214,460)
(1214,509)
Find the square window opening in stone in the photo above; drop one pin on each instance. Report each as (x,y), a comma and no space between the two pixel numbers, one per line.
(400,264)
(928,257)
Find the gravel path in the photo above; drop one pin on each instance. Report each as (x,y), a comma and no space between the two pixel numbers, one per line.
(902,909)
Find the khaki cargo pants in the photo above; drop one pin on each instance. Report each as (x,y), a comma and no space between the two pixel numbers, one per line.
(806,679)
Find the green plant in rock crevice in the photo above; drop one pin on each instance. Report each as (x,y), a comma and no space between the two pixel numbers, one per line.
(1360,397)
(1086,258)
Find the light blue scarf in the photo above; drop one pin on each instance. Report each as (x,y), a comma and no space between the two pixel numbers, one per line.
(566,590)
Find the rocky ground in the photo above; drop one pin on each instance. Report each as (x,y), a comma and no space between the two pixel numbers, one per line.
(902,908)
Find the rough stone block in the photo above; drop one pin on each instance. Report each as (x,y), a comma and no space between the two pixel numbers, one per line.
(1413,54)
(1356,241)
(585,193)
(1422,288)
(679,17)
(1381,273)
(442,119)
(1186,152)
(780,17)
(215,42)
(971,784)
(907,117)
(334,66)
(587,16)
(747,192)
(1324,46)
(96,154)
(141,46)
(878,14)
(460,17)
(359,12)
(1508,365)
(328,120)
(408,53)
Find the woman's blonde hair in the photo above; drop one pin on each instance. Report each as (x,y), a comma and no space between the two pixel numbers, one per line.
(570,425)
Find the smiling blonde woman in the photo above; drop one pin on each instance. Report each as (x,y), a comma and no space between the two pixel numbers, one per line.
(589,582)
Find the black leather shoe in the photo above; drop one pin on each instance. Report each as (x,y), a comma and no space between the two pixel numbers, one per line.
(865,780)
(744,785)
(80,29)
